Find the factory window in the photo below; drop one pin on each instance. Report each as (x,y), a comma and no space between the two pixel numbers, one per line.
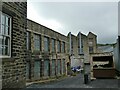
(53,45)
(53,67)
(5,35)
(90,49)
(36,42)
(58,47)
(63,46)
(81,49)
(37,69)
(80,46)
(63,66)
(46,67)
(59,66)
(46,44)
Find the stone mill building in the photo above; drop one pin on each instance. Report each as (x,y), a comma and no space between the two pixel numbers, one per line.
(46,52)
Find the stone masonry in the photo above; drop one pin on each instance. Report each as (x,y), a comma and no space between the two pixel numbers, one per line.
(13,68)
(81,46)
(55,59)
(38,52)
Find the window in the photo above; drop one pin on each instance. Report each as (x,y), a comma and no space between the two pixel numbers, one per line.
(63,46)
(37,69)
(80,47)
(58,46)
(53,45)
(53,67)
(58,66)
(46,67)
(90,42)
(81,50)
(28,41)
(63,66)
(46,44)
(36,42)
(5,35)
(90,49)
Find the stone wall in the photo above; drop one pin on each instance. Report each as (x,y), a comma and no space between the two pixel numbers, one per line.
(94,37)
(42,55)
(94,45)
(73,49)
(85,49)
(13,68)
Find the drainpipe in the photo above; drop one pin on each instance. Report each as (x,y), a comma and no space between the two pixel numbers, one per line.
(80,43)
(70,43)
(119,51)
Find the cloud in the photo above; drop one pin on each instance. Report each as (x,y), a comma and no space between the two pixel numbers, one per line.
(100,18)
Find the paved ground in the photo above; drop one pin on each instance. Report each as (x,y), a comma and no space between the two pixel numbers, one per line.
(78,82)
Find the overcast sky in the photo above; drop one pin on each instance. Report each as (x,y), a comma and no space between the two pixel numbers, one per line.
(100,18)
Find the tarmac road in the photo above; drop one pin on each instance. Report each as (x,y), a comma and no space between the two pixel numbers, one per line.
(78,82)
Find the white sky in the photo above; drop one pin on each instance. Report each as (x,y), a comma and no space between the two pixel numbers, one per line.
(100,18)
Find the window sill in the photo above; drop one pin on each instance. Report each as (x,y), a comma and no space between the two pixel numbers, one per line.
(6,58)
(1,57)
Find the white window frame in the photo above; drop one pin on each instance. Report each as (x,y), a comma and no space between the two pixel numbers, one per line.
(91,49)
(9,44)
